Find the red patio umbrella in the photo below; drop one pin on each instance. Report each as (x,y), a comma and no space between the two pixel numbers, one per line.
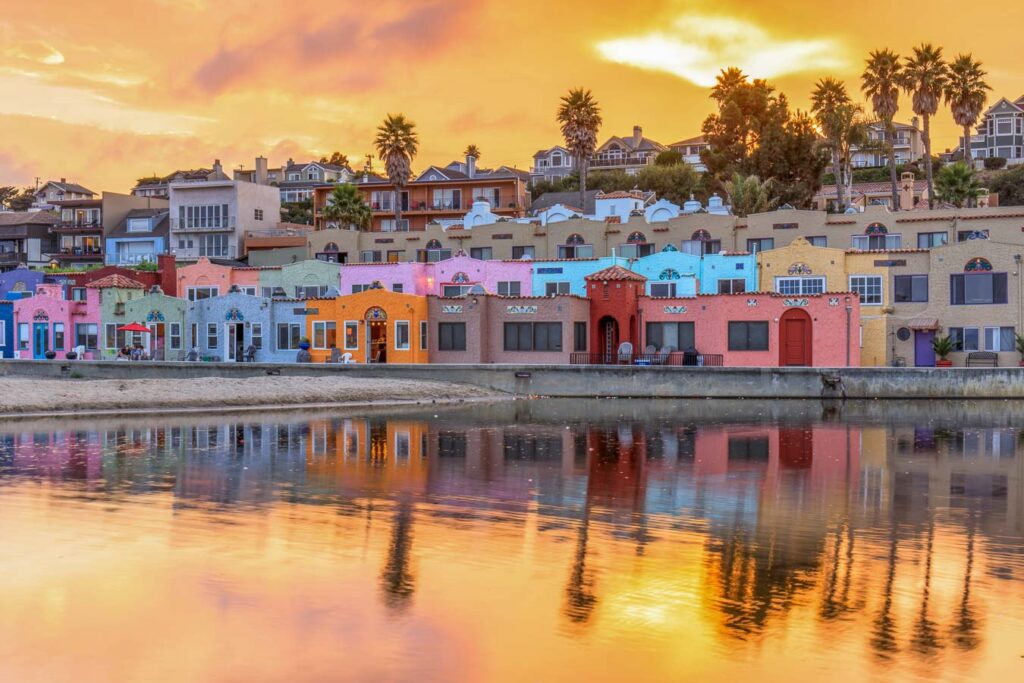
(133,327)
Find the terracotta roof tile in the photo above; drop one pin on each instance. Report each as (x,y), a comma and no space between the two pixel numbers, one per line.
(616,273)
(116,280)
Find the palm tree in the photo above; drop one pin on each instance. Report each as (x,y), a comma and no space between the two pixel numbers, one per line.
(580,118)
(472,151)
(345,206)
(957,184)
(881,82)
(827,102)
(749,194)
(966,94)
(924,78)
(397,144)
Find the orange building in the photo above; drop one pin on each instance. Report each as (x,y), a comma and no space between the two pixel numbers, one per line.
(375,326)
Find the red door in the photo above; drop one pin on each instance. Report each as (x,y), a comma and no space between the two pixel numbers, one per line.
(795,338)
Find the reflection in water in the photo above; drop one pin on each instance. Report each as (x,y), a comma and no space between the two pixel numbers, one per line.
(722,524)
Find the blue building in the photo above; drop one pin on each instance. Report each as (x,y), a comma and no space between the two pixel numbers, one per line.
(140,237)
(6,329)
(21,282)
(565,276)
(223,327)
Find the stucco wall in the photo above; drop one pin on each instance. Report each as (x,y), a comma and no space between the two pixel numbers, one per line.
(486,273)
(413,277)
(203,273)
(308,273)
(49,302)
(354,308)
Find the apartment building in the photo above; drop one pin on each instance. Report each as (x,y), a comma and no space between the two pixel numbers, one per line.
(907,143)
(159,186)
(25,238)
(210,217)
(84,224)
(1000,133)
(438,195)
(140,237)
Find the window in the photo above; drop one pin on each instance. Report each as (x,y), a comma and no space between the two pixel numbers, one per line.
(636,250)
(78,293)
(1000,339)
(175,335)
(977,288)
(288,336)
(799,286)
(675,335)
(579,336)
(398,288)
(137,225)
(433,255)
(3,333)
(424,326)
(818,240)
(964,338)
(257,214)
(251,291)
(869,287)
(369,256)
(575,251)
(454,290)
(748,448)
(481,253)
(701,247)
(193,329)
(910,288)
(208,216)
(733,286)
(396,256)
(927,240)
(552,288)
(451,336)
(87,335)
(965,235)
(324,334)
(391,225)
(533,336)
(211,335)
(748,336)
(525,252)
(58,336)
(509,288)
(200,293)
(877,242)
(663,289)
(310,291)
(360,288)
(23,336)
(755,246)
(401,335)
(351,335)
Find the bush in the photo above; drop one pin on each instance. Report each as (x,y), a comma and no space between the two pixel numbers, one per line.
(993,163)
(1009,185)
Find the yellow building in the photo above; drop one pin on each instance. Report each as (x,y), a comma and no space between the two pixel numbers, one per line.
(375,325)
(801,268)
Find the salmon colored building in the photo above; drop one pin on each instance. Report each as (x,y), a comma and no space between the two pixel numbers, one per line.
(374,326)
(203,280)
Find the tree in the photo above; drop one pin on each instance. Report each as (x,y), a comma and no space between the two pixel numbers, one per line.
(965,92)
(297,212)
(7,193)
(748,194)
(675,183)
(670,157)
(579,116)
(1009,184)
(345,206)
(881,83)
(336,159)
(23,201)
(149,180)
(830,105)
(958,184)
(397,145)
(793,159)
(472,151)
(924,78)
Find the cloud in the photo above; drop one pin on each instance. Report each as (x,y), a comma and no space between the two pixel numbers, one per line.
(696,47)
(36,51)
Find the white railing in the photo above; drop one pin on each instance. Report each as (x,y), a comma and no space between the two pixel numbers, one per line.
(179,225)
(192,253)
(130,259)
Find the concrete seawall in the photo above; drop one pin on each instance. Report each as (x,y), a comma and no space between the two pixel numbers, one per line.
(590,381)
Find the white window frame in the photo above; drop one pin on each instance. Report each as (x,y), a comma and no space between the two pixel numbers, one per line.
(408,335)
(190,292)
(256,333)
(802,279)
(212,331)
(174,333)
(881,289)
(344,341)
(507,286)
(320,328)
(3,334)
(557,284)
(997,328)
(670,285)
(424,331)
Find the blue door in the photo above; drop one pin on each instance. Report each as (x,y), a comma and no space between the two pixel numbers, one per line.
(41,340)
(924,354)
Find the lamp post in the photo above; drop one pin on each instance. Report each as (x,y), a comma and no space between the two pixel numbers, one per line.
(849,311)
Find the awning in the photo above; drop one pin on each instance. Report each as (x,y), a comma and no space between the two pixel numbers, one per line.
(923,324)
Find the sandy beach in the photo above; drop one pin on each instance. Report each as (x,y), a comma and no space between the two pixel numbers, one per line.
(24,395)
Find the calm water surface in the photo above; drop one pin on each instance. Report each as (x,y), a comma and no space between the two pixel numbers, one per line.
(528,541)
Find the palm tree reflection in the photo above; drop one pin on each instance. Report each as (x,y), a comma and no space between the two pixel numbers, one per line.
(965,630)
(397,580)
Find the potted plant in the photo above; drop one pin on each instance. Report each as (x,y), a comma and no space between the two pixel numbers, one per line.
(943,346)
(71,355)
(1020,348)
(50,355)
(304,343)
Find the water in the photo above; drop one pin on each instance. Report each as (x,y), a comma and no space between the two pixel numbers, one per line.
(526,541)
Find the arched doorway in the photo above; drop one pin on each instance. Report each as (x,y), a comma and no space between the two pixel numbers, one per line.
(795,338)
(608,338)
(376,335)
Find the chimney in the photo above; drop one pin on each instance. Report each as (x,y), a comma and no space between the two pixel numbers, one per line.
(638,135)
(63,181)
(168,274)
(471,165)
(218,170)
(261,171)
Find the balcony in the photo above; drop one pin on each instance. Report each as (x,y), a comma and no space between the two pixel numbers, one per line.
(78,227)
(195,253)
(131,259)
(621,162)
(78,254)
(222,225)
(12,257)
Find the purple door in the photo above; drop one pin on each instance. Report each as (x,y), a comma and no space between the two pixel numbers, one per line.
(924,354)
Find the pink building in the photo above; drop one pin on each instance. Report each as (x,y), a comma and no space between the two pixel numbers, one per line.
(451,277)
(49,322)
(203,280)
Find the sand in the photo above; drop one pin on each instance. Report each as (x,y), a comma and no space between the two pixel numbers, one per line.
(23,395)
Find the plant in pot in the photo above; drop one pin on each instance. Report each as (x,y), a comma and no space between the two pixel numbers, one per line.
(304,343)
(943,346)
(50,355)
(1020,348)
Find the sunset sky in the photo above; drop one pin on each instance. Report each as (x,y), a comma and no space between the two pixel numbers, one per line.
(106,91)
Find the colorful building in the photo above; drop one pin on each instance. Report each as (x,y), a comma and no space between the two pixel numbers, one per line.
(21,281)
(223,327)
(204,279)
(375,325)
(408,278)
(6,329)
(115,292)
(49,322)
(301,280)
(165,317)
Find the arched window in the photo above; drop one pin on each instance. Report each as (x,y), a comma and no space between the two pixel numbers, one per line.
(976,265)
(331,247)
(669,274)
(376,313)
(876,229)
(433,244)
(460,278)
(637,238)
(574,239)
(701,236)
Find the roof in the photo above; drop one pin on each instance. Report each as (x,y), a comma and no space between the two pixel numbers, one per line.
(627,142)
(28,218)
(923,323)
(549,199)
(616,273)
(116,280)
(699,140)
(880,187)
(619,195)
(161,225)
(70,187)
(549,150)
